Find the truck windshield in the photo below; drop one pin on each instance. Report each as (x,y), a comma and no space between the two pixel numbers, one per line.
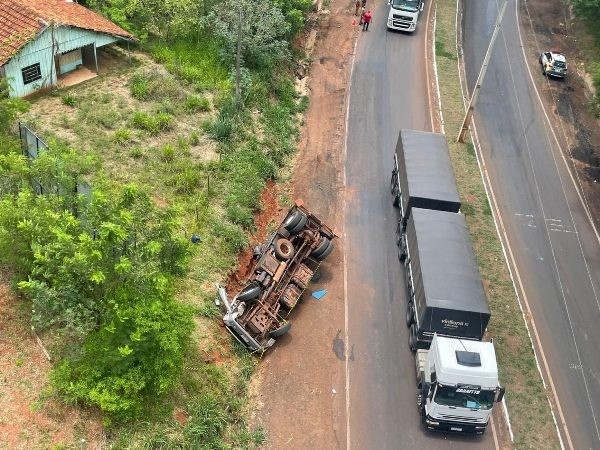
(560,64)
(452,396)
(406,5)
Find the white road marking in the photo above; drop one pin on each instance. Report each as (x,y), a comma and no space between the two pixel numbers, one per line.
(345,259)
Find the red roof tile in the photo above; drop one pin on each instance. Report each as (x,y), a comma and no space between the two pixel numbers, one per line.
(21,20)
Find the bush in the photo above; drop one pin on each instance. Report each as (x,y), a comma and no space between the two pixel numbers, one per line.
(70,99)
(194,103)
(167,153)
(153,124)
(122,136)
(139,86)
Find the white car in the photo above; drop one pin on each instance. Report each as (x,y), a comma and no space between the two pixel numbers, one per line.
(553,63)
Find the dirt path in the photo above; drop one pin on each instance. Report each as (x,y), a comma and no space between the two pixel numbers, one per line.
(302,380)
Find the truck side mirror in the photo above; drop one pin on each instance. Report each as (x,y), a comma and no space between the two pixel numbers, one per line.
(500,394)
(433,377)
(422,6)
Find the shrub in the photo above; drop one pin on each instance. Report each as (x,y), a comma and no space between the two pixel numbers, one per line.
(154,124)
(139,86)
(194,103)
(122,136)
(69,99)
(167,153)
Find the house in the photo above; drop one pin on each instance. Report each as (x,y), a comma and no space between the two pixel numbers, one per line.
(41,41)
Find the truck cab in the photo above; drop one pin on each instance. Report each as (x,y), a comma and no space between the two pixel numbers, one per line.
(458,383)
(403,14)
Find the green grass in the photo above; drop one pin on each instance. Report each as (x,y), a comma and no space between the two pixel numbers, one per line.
(526,398)
(151,135)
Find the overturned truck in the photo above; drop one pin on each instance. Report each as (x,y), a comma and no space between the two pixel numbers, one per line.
(280,271)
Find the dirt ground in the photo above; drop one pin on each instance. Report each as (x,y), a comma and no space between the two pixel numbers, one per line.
(29,417)
(553,26)
(301,380)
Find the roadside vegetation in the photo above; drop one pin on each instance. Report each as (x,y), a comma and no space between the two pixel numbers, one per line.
(526,398)
(120,296)
(588,11)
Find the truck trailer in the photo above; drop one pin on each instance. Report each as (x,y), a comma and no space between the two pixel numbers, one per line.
(444,288)
(422,176)
(279,272)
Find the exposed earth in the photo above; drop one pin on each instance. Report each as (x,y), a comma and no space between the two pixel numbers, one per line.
(299,386)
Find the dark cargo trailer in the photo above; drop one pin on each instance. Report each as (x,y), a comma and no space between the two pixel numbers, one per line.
(422,176)
(445,292)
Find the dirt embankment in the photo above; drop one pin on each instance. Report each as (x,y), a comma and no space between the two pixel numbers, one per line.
(300,384)
(552,26)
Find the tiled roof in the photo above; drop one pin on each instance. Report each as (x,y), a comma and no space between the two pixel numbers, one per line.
(21,20)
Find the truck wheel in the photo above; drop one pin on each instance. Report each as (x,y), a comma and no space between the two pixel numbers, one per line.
(250,292)
(277,332)
(401,255)
(322,254)
(393,184)
(412,338)
(284,249)
(292,220)
(301,224)
(396,202)
(410,314)
(323,244)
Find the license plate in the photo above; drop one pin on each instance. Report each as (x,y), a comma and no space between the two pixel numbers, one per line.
(455,429)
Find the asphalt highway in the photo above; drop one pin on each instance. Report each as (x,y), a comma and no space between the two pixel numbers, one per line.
(388,92)
(555,250)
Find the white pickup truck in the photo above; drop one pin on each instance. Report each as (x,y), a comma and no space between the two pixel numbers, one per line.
(403,14)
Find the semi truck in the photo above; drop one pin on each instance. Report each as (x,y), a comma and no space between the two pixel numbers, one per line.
(404,14)
(447,311)
(278,273)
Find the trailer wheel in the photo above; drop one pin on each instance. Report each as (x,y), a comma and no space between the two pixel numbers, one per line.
(393,183)
(284,249)
(410,314)
(324,249)
(278,332)
(250,292)
(412,338)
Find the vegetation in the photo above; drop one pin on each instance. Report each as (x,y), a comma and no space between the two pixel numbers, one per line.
(589,12)
(113,283)
(526,398)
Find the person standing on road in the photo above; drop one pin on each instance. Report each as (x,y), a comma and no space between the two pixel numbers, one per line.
(357,5)
(367,20)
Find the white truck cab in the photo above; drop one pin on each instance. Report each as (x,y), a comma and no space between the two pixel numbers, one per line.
(458,382)
(403,14)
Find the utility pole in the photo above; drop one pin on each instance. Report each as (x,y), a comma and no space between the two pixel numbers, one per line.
(238,57)
(468,116)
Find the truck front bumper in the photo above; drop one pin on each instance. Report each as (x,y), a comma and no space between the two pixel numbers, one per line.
(454,426)
(400,25)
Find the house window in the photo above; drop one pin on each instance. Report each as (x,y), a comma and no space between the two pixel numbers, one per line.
(31,73)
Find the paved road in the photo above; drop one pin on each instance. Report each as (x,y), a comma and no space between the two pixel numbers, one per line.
(388,92)
(556,251)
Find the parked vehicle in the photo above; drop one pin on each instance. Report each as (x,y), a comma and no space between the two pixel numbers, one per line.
(447,311)
(280,271)
(422,176)
(404,14)
(553,63)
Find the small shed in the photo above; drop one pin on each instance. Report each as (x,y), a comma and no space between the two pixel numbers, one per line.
(42,40)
